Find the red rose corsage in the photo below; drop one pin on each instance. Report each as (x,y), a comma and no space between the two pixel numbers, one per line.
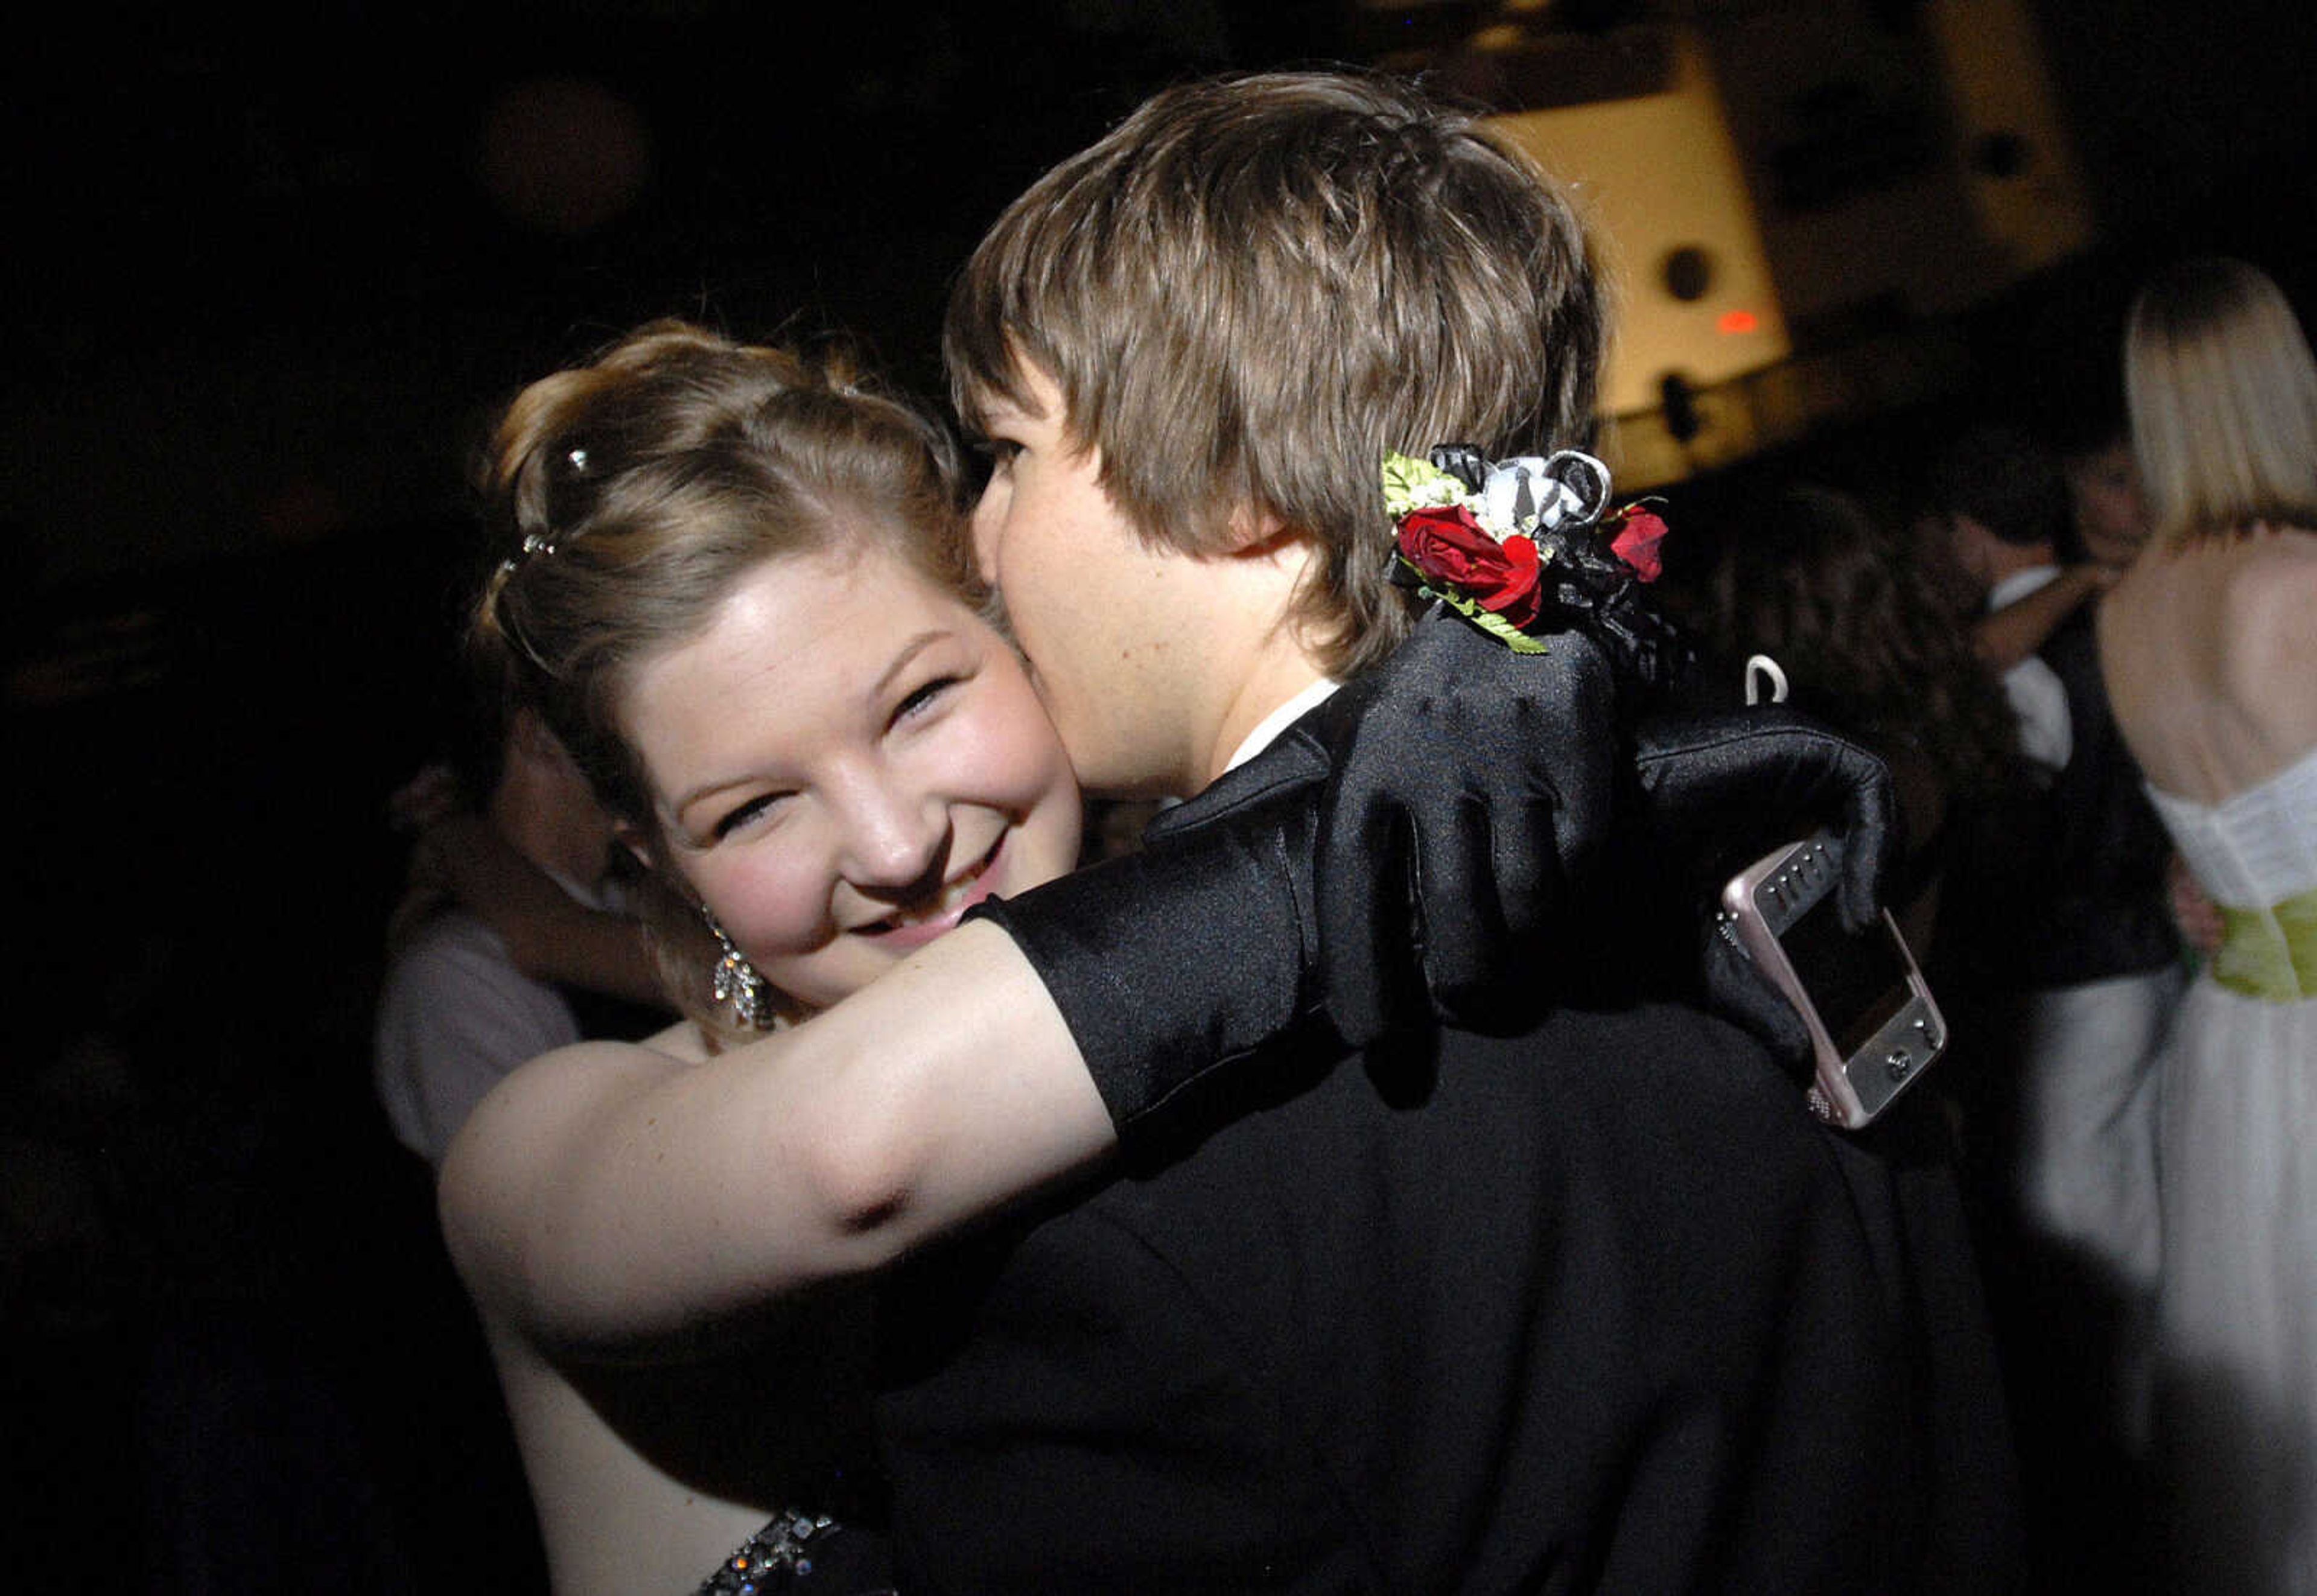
(1526,548)
(1635,539)
(1449,546)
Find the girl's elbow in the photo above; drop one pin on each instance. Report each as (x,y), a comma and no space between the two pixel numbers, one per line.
(861,1173)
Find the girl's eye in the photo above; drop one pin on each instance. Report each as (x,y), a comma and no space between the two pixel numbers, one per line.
(923,697)
(745,815)
(1001,452)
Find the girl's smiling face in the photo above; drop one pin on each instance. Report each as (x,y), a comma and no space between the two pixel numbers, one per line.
(846,760)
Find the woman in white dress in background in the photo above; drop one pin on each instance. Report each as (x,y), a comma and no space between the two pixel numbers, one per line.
(2209,646)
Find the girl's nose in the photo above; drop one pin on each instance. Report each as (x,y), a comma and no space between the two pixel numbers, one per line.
(894,840)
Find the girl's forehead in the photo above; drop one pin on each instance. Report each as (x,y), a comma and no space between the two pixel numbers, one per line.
(793,639)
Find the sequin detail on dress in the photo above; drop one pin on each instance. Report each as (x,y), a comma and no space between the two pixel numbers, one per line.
(781,1550)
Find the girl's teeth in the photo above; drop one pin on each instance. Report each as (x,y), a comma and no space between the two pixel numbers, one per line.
(952,895)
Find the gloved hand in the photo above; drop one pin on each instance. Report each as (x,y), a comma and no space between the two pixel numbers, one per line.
(1399,859)
(1717,791)
(1471,787)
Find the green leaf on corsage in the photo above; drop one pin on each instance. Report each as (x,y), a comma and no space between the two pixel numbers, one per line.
(1411,484)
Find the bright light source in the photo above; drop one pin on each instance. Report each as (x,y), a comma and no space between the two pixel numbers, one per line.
(1736,321)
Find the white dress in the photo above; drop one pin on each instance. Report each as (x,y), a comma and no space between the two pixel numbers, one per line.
(2238,1184)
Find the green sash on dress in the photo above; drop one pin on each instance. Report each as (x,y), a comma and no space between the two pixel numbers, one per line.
(2270,953)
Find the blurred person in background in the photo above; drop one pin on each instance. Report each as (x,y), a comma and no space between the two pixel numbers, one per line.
(2064,924)
(1856,619)
(2210,659)
(511,940)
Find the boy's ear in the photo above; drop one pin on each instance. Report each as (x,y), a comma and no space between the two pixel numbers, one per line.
(1260,534)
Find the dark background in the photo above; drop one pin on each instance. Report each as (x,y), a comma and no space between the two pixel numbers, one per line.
(266,281)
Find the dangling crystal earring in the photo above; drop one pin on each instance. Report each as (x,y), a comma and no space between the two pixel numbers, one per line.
(737,982)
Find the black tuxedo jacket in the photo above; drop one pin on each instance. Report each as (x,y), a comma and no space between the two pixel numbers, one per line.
(1594,1308)
(2093,900)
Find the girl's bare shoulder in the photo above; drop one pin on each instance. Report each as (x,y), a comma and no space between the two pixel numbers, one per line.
(2267,597)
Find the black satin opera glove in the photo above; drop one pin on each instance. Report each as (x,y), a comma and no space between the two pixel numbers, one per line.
(1181,959)
(1402,856)
(1439,843)
(1715,792)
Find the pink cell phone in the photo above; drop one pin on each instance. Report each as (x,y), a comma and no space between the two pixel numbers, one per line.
(1872,1023)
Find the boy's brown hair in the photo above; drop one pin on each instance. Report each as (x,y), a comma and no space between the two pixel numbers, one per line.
(1254,286)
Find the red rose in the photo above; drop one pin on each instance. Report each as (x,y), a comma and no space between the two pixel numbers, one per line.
(1638,534)
(1452,549)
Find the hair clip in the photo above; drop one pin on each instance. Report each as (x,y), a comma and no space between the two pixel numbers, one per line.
(534,543)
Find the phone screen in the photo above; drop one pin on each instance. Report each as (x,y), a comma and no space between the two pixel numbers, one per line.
(1858,982)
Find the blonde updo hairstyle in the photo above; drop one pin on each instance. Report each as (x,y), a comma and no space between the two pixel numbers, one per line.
(625,500)
(2224,400)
